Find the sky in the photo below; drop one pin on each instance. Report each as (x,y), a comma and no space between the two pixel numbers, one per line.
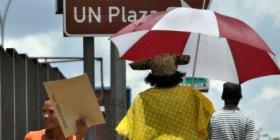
(32,27)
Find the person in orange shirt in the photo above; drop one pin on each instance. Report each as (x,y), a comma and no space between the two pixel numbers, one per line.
(52,129)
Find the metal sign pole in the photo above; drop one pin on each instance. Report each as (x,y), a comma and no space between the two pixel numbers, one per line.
(1,52)
(88,45)
(118,95)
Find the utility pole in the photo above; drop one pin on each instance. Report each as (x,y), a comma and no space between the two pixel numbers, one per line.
(118,97)
(88,49)
(1,29)
(2,22)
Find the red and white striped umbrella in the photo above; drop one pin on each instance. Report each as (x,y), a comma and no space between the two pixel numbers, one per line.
(221,47)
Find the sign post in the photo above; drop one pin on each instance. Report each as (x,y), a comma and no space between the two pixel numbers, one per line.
(88,45)
(118,102)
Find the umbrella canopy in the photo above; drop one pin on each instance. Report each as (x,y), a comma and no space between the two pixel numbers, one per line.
(200,4)
(221,47)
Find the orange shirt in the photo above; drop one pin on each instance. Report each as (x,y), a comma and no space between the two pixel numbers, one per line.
(40,135)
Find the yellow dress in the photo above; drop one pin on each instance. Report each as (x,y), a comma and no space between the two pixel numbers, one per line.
(177,113)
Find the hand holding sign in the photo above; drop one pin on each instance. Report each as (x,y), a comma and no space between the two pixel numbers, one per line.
(74,98)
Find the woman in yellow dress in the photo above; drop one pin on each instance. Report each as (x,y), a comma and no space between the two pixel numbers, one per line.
(167,110)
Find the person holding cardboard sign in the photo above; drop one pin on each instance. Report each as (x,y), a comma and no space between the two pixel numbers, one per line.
(52,129)
(72,99)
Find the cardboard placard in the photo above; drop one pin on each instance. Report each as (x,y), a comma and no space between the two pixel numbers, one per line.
(72,99)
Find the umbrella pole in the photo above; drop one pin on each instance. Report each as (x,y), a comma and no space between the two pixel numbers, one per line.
(195,58)
(196,50)
(203,5)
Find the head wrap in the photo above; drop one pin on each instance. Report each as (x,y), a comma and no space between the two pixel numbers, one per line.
(161,65)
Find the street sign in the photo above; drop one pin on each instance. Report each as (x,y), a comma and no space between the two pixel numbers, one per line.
(200,83)
(99,17)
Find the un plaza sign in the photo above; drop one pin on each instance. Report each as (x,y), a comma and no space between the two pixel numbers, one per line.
(101,17)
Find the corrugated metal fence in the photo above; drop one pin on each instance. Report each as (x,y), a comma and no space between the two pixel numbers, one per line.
(22,93)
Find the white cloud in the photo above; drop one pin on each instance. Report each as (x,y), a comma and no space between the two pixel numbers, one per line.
(252,11)
(227,7)
(50,44)
(215,92)
(267,94)
(263,108)
(102,49)
(70,70)
(264,8)
(135,80)
(35,44)
(216,85)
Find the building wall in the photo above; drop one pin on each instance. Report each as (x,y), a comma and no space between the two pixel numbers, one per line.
(22,93)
